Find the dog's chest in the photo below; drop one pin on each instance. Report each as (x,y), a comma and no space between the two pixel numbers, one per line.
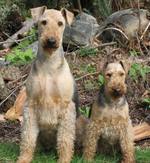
(112,121)
(51,94)
(48,118)
(110,134)
(52,89)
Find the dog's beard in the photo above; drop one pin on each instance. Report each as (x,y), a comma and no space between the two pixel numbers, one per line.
(117,92)
(50,47)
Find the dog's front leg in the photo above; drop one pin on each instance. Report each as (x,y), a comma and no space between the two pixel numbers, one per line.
(91,139)
(127,145)
(29,136)
(66,134)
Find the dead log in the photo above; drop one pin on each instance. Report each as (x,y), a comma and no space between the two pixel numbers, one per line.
(16,111)
(13,39)
(2,119)
(141,131)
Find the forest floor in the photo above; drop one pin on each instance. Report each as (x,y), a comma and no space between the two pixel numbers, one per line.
(87,70)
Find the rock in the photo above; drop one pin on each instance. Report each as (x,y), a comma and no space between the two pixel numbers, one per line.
(3,62)
(81,32)
(128,22)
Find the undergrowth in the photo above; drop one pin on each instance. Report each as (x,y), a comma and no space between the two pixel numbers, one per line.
(20,54)
(101,80)
(138,70)
(85,111)
(146,102)
(87,51)
(104,7)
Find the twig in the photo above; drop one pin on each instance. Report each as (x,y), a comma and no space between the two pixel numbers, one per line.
(131,3)
(145,31)
(94,73)
(106,44)
(79,5)
(16,41)
(139,16)
(139,44)
(14,81)
(14,90)
(10,38)
(136,60)
(117,29)
(98,46)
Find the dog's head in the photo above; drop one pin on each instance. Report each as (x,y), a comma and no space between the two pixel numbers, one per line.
(51,25)
(115,76)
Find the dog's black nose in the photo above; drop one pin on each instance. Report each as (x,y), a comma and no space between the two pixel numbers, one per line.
(116,92)
(51,42)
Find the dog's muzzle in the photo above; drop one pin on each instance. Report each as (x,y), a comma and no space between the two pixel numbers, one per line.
(51,43)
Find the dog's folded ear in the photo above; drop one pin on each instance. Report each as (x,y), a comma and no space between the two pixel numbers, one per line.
(37,12)
(126,65)
(69,16)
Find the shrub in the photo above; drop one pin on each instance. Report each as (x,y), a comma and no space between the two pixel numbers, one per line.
(20,55)
(87,51)
(85,111)
(137,70)
(12,15)
(101,80)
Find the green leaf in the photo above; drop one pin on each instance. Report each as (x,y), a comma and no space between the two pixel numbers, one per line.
(101,80)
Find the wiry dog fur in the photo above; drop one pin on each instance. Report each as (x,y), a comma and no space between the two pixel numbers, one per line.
(50,110)
(110,121)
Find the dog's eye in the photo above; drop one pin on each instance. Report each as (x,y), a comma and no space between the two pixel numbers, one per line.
(121,74)
(60,23)
(108,75)
(43,22)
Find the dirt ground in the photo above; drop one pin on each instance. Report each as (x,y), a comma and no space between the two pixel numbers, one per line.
(88,87)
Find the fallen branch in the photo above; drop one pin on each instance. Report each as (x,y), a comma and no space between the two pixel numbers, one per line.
(14,81)
(12,39)
(16,111)
(79,5)
(106,44)
(136,60)
(94,73)
(116,29)
(14,90)
(145,31)
(141,131)
(16,41)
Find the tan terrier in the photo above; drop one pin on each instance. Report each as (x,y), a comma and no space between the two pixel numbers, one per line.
(50,108)
(109,120)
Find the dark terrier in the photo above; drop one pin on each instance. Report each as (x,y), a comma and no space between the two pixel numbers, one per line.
(110,121)
(50,89)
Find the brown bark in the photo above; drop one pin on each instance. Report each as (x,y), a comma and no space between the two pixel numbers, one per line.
(141,131)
